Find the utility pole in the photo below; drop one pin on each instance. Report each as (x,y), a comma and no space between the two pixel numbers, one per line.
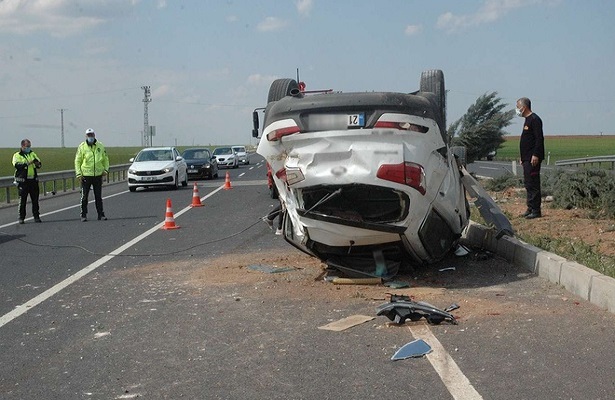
(145,139)
(62,125)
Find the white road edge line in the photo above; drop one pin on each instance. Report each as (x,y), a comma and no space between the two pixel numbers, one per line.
(456,382)
(242,174)
(25,307)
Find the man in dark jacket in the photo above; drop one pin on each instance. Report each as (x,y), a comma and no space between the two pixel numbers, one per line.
(26,162)
(532,150)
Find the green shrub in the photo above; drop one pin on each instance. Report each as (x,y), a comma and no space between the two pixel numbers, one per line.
(587,189)
(504,182)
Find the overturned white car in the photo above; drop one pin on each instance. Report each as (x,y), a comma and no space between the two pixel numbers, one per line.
(368,180)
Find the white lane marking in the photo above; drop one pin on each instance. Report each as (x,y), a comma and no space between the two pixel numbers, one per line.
(23,308)
(242,174)
(456,382)
(63,209)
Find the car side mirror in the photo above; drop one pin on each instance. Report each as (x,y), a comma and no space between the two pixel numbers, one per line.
(131,160)
(255,123)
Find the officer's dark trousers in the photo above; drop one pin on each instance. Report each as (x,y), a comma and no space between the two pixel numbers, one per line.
(277,212)
(96,183)
(531,180)
(28,187)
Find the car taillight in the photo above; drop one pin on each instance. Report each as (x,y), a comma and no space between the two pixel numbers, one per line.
(407,173)
(290,175)
(402,126)
(279,133)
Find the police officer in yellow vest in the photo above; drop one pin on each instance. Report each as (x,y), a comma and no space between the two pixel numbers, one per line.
(26,162)
(91,165)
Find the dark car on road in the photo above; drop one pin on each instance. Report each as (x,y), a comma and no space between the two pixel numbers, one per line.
(201,164)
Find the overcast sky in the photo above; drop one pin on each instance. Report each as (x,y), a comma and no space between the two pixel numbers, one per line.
(210,63)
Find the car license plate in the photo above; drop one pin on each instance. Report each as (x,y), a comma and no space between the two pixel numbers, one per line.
(356,119)
(193,171)
(148,178)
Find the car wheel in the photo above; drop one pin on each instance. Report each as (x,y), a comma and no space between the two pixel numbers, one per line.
(281,88)
(175,183)
(185,182)
(432,81)
(132,188)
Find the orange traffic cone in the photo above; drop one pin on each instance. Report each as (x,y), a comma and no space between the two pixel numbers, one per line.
(169,220)
(227,182)
(196,199)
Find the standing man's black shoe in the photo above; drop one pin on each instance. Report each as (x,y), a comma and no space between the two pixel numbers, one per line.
(102,217)
(526,213)
(37,219)
(534,214)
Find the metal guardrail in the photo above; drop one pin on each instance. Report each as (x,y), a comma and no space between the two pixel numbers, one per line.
(51,181)
(588,161)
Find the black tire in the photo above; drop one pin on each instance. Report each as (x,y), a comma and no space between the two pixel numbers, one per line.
(185,182)
(175,183)
(281,88)
(432,81)
(273,192)
(461,153)
(132,188)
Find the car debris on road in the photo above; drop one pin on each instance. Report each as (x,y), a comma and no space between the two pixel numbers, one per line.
(401,307)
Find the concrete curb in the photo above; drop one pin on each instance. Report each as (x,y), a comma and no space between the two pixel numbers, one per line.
(576,278)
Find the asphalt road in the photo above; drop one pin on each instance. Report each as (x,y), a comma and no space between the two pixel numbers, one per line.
(131,328)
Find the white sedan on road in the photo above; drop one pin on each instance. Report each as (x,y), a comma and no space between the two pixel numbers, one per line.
(226,157)
(157,166)
(242,154)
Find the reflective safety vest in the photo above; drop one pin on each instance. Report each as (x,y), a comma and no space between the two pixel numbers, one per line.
(91,160)
(23,170)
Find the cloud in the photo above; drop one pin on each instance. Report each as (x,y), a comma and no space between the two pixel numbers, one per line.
(232,18)
(258,79)
(161,91)
(271,24)
(304,7)
(412,30)
(60,17)
(490,11)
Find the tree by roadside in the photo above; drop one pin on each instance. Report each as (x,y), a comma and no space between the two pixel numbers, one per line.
(481,128)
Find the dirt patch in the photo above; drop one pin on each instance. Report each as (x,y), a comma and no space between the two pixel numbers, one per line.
(491,292)
(574,225)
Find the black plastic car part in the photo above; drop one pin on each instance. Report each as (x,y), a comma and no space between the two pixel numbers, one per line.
(401,308)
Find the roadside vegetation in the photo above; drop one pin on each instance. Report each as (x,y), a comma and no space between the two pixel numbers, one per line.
(481,129)
(590,190)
